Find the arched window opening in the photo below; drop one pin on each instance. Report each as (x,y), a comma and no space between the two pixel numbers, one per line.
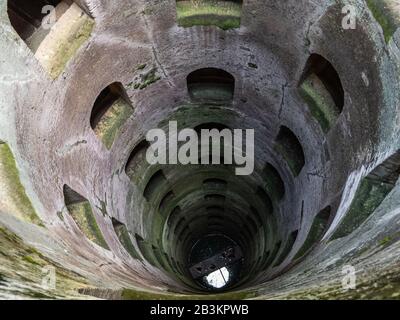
(110,111)
(211,85)
(322,89)
(288,145)
(81,212)
(137,163)
(53,29)
(123,236)
(154,183)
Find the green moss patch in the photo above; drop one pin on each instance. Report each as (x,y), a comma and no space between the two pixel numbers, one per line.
(387,13)
(137,164)
(211,92)
(129,294)
(223,14)
(147,251)
(125,239)
(111,123)
(64,40)
(145,79)
(13,198)
(320,102)
(369,196)
(22,267)
(83,216)
(389,240)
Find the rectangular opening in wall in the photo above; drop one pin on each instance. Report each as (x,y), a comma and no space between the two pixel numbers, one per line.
(173,216)
(123,236)
(166,202)
(288,145)
(371,192)
(146,249)
(54,30)
(225,14)
(156,181)
(322,90)
(81,212)
(137,162)
(26,18)
(211,85)
(110,112)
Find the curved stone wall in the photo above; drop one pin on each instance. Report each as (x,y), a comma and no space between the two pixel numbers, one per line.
(81,197)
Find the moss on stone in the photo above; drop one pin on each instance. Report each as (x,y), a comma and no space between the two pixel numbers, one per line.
(149,78)
(387,13)
(320,102)
(103,208)
(382,284)
(22,266)
(83,216)
(31,260)
(64,40)
(211,92)
(389,239)
(369,196)
(223,14)
(124,238)
(14,199)
(147,251)
(129,294)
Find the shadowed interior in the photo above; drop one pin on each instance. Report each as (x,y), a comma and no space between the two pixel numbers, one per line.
(78,192)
